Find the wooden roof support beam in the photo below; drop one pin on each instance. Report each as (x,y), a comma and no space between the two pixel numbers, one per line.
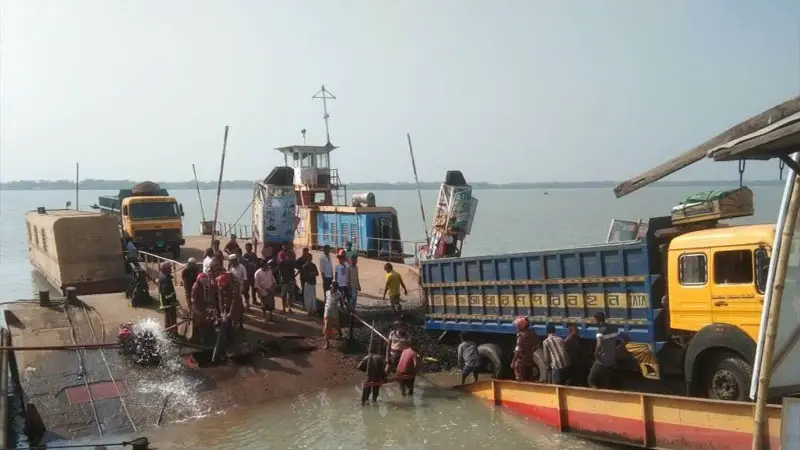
(690,157)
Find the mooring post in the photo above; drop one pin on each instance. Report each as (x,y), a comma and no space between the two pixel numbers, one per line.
(44,298)
(72,295)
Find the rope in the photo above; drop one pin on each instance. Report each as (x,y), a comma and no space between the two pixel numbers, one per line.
(240,216)
(781,165)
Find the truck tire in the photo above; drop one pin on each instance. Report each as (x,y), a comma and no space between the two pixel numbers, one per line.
(492,360)
(176,253)
(539,367)
(728,378)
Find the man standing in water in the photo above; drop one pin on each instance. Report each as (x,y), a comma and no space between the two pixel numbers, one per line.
(522,362)
(399,340)
(374,365)
(393,284)
(407,370)
(468,358)
(169,300)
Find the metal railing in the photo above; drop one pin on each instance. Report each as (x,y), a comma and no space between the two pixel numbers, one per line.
(224,229)
(410,249)
(152,265)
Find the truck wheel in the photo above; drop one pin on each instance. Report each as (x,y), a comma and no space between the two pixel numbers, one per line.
(729,378)
(492,359)
(539,367)
(176,253)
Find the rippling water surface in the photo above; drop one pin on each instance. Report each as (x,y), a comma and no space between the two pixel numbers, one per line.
(436,418)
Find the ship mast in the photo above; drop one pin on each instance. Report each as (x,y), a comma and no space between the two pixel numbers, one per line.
(325,95)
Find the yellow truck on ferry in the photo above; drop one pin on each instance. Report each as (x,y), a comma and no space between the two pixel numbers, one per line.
(149,216)
(686,289)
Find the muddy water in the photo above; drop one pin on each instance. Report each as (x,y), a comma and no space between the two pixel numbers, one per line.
(435,418)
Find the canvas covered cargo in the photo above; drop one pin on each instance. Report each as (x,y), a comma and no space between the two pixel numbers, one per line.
(714,205)
(76,248)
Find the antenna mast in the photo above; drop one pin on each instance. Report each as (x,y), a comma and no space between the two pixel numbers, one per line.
(325,95)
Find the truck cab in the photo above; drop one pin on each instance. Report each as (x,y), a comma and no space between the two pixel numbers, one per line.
(719,276)
(716,282)
(154,223)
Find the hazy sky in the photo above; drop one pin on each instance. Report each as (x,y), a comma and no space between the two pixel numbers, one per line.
(503,90)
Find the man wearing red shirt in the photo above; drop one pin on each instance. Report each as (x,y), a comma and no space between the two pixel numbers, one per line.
(407,370)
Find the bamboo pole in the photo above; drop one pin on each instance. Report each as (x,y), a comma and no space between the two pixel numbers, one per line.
(759,417)
(199,197)
(419,192)
(4,335)
(219,184)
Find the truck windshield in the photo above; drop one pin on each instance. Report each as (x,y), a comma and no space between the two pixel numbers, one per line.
(155,210)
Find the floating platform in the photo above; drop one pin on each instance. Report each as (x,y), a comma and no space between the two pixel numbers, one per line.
(631,418)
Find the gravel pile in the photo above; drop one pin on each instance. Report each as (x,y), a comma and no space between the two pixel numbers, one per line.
(435,357)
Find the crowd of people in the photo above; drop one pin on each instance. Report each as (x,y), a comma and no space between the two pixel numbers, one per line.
(563,360)
(218,296)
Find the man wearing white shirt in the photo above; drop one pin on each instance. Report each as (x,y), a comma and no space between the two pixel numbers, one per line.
(239,272)
(326,268)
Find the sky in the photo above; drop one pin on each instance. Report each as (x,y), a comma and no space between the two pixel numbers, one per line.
(505,91)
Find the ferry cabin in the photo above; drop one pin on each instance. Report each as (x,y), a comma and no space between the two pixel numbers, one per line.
(322,218)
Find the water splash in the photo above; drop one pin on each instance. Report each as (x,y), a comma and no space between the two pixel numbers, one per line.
(172,380)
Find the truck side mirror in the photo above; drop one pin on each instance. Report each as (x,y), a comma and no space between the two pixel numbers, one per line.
(762,269)
(125,210)
(180,208)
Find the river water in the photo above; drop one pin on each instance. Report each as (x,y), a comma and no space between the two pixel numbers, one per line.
(436,418)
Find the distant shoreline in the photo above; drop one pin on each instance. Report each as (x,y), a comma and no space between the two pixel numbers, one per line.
(113,185)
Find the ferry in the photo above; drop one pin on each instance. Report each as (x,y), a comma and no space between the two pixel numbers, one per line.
(304,202)
(79,249)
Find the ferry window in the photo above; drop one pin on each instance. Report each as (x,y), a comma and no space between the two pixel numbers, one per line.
(733,267)
(36,235)
(307,161)
(44,241)
(30,235)
(693,269)
(322,161)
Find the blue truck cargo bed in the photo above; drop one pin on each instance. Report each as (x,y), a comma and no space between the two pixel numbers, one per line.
(485,293)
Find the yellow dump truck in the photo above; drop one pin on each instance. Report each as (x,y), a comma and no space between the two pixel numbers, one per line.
(148,215)
(686,289)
